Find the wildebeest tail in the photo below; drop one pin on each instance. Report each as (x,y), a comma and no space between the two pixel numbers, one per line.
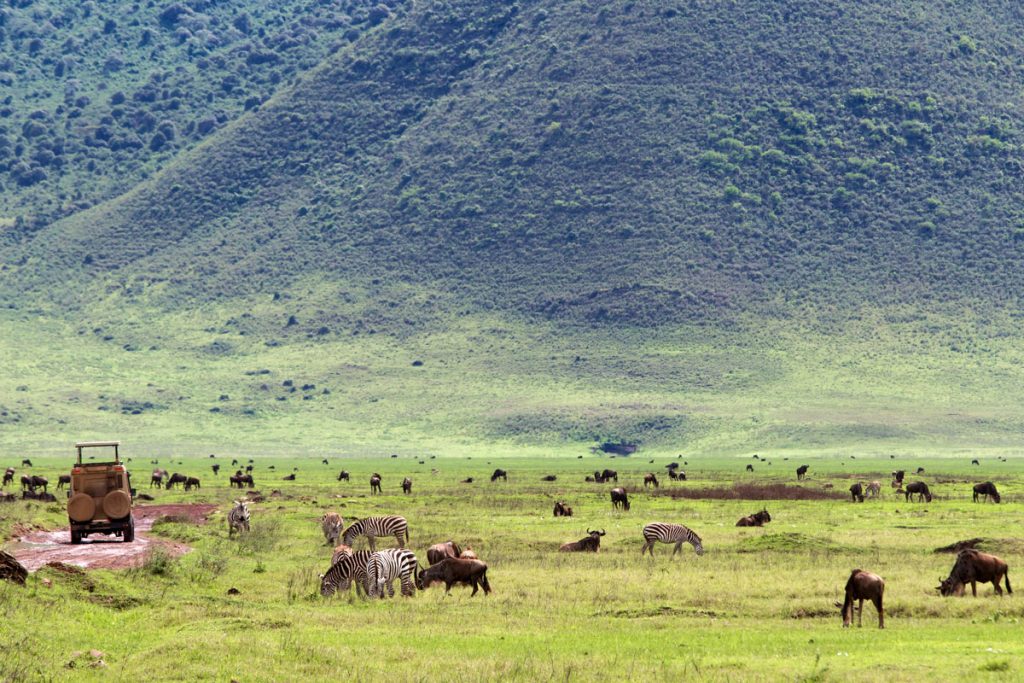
(1006,577)
(487,585)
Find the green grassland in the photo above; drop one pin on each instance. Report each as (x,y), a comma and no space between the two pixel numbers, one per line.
(756,606)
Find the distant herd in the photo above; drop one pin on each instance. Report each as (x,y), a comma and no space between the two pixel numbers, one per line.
(374,572)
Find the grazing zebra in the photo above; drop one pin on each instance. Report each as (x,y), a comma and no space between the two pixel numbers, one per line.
(385,566)
(344,570)
(372,527)
(238,518)
(670,533)
(332,524)
(873,489)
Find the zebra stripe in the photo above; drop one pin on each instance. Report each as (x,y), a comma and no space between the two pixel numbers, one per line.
(372,527)
(661,532)
(385,566)
(238,518)
(331,524)
(348,568)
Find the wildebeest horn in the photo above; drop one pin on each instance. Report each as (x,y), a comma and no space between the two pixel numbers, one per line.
(589,531)
(602,532)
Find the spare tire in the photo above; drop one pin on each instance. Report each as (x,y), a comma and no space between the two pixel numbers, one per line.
(117,504)
(81,507)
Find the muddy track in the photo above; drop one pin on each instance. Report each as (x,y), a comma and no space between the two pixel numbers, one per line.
(35,549)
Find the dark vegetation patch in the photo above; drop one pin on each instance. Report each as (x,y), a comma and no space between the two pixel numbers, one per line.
(1005,545)
(663,611)
(787,542)
(752,492)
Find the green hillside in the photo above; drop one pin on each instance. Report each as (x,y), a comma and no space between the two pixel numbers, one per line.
(744,195)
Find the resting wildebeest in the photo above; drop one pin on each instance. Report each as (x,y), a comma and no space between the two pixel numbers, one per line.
(988,490)
(42,497)
(8,476)
(857,491)
(756,519)
(174,480)
(288,477)
(549,477)
(407,485)
(562,510)
(375,483)
(502,474)
(610,474)
(649,478)
(801,471)
(190,482)
(750,468)
(590,544)
(972,566)
(440,551)
(216,469)
(343,476)
(619,497)
(921,489)
(863,586)
(467,480)
(453,570)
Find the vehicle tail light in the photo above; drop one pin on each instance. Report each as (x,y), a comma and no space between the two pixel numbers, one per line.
(118,468)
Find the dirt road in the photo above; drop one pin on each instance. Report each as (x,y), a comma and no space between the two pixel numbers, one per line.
(107,552)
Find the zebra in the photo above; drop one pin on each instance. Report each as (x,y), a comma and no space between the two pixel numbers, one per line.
(331,524)
(385,566)
(238,518)
(347,568)
(372,527)
(670,533)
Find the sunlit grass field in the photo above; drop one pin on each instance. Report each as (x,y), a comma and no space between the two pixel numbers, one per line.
(757,606)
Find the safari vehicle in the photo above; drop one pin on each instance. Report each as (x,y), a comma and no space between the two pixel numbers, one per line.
(100,498)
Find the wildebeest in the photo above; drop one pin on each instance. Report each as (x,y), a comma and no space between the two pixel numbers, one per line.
(619,498)
(331,524)
(238,479)
(987,490)
(921,489)
(190,482)
(26,482)
(649,478)
(610,474)
(174,480)
(590,544)
(157,478)
(288,477)
(757,519)
(857,491)
(375,483)
(562,510)
(407,485)
(897,478)
(8,476)
(33,482)
(325,461)
(801,471)
(26,463)
(248,468)
(42,497)
(920,470)
(343,476)
(234,462)
(453,570)
(549,477)
(750,468)
(863,586)
(499,474)
(972,566)
(672,466)
(216,469)
(874,488)
(467,480)
(975,462)
(440,551)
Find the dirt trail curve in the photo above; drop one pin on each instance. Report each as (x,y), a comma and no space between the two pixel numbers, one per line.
(107,552)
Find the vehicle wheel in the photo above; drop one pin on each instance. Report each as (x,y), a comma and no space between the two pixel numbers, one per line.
(76,537)
(129,532)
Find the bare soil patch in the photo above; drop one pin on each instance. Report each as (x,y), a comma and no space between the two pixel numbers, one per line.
(39,548)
